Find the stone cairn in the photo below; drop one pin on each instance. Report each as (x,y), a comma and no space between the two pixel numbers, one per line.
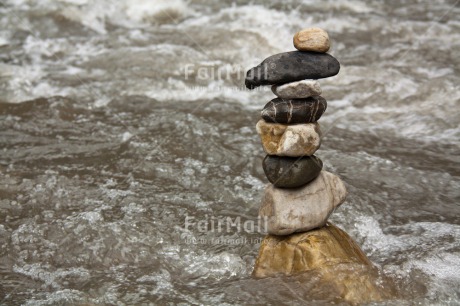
(302,196)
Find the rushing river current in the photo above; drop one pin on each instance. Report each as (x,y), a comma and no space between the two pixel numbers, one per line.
(121,121)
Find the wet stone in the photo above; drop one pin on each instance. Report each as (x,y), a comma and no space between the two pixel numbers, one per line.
(312,39)
(321,248)
(289,140)
(297,90)
(330,254)
(290,210)
(290,67)
(294,110)
(291,172)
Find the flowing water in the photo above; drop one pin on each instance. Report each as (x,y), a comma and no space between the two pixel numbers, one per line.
(123,120)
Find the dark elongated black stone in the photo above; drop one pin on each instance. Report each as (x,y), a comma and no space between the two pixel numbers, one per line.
(291,172)
(292,66)
(294,110)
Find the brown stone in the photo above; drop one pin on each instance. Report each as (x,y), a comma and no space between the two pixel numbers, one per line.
(312,39)
(289,140)
(300,252)
(328,252)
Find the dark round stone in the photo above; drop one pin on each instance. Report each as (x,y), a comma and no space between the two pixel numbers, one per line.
(294,110)
(291,172)
(292,66)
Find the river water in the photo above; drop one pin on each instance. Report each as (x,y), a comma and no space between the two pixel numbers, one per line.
(126,135)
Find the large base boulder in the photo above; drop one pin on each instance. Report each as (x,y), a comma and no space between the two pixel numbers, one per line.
(329,252)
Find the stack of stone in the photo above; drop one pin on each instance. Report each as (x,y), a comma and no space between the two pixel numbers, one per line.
(301,196)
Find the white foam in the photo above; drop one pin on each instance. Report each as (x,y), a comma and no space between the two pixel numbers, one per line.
(3,41)
(146,10)
(434,72)
(439,262)
(126,136)
(91,216)
(60,297)
(161,279)
(375,239)
(353,6)
(133,208)
(216,266)
(441,265)
(44,273)
(95,14)
(102,101)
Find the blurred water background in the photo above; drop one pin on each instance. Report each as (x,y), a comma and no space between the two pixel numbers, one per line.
(121,118)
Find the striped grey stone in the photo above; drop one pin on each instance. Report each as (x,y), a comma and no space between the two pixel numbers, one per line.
(291,111)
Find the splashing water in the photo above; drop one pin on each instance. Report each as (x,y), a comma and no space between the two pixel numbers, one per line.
(120,119)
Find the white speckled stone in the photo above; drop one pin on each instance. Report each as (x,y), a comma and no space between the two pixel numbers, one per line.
(289,140)
(302,209)
(297,90)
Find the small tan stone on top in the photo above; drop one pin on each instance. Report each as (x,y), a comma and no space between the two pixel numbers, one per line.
(312,39)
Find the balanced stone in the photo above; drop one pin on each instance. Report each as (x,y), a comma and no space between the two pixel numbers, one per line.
(312,39)
(297,90)
(301,252)
(329,254)
(290,67)
(294,110)
(301,209)
(291,172)
(289,140)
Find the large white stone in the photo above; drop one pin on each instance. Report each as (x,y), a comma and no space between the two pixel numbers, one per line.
(302,209)
(297,90)
(289,140)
